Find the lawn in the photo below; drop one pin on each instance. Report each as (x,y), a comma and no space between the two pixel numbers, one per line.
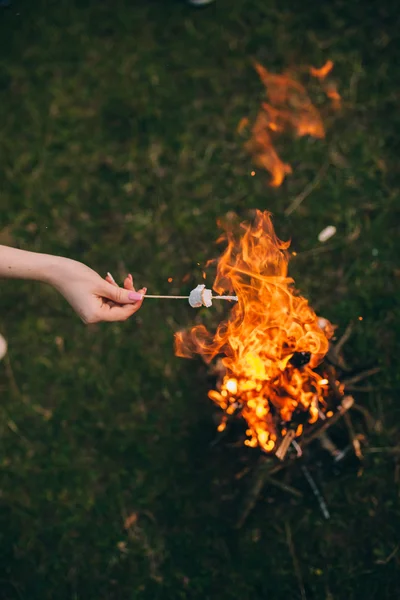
(119,148)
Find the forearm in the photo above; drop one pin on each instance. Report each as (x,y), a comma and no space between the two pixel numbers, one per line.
(21,264)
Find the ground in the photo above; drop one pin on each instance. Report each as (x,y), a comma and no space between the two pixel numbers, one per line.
(119,148)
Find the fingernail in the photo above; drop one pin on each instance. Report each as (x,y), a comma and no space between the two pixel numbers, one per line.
(130,277)
(135,296)
(111,277)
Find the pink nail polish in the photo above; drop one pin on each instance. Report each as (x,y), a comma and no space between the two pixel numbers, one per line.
(135,296)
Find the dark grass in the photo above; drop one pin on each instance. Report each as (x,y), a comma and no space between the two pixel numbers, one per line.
(118,148)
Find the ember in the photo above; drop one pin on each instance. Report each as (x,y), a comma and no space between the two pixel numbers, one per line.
(289,109)
(271,343)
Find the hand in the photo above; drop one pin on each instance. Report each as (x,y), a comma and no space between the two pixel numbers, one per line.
(93,298)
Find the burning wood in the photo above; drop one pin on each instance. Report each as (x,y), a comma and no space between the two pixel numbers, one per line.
(271,345)
(289,109)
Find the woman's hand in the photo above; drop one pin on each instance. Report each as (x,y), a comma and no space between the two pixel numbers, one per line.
(93,298)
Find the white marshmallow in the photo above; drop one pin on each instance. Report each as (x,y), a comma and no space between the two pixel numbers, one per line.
(327,233)
(3,347)
(206,297)
(200,296)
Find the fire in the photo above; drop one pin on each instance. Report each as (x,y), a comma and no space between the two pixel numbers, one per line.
(323,71)
(270,344)
(289,109)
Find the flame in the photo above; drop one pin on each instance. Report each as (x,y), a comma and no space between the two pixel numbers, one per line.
(265,329)
(323,71)
(289,106)
(289,109)
(260,146)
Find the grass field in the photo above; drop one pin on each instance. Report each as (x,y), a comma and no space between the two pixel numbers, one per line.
(118,147)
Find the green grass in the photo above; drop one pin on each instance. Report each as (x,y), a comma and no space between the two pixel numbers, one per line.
(118,147)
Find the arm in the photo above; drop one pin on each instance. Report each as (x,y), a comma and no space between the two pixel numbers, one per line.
(20,264)
(92,297)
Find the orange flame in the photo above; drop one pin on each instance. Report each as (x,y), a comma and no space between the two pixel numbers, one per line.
(289,108)
(261,147)
(265,328)
(323,71)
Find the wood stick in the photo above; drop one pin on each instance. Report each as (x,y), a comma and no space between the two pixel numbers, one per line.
(260,475)
(283,486)
(361,376)
(294,205)
(346,404)
(388,449)
(284,447)
(233,298)
(316,492)
(369,421)
(354,439)
(296,565)
(345,337)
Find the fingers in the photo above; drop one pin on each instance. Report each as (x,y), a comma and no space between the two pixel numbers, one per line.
(110,279)
(119,313)
(120,303)
(128,283)
(114,312)
(120,295)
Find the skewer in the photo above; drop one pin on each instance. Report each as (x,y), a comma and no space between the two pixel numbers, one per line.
(233,298)
(200,296)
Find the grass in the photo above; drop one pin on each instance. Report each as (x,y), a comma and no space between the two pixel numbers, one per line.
(118,148)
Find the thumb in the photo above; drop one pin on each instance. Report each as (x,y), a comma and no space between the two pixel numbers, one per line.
(120,295)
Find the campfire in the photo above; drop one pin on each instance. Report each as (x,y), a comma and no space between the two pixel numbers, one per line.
(271,344)
(274,365)
(289,109)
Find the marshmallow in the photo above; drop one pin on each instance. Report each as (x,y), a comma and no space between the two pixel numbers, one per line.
(3,347)
(327,233)
(200,296)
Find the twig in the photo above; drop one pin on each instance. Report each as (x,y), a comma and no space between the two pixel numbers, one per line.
(11,377)
(334,353)
(260,476)
(296,565)
(354,439)
(383,449)
(316,492)
(331,376)
(294,205)
(369,421)
(328,445)
(384,561)
(242,473)
(360,388)
(345,337)
(347,403)
(284,447)
(318,250)
(283,486)
(361,376)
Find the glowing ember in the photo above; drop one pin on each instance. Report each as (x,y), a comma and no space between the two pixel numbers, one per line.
(289,109)
(270,344)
